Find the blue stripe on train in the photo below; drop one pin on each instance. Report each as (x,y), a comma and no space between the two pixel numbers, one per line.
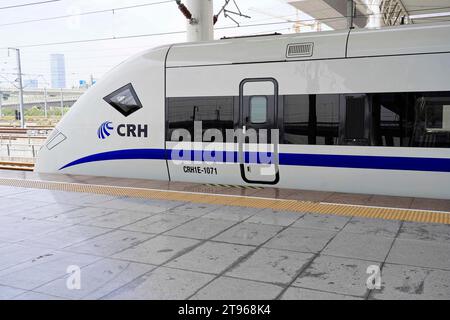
(287,159)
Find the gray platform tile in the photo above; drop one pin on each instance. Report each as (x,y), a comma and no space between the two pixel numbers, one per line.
(210,257)
(249,234)
(359,246)
(46,211)
(97,279)
(375,227)
(65,236)
(301,239)
(420,253)
(225,288)
(7,293)
(338,275)
(425,231)
(19,228)
(110,243)
(7,190)
(89,199)
(321,221)
(80,215)
(232,213)
(294,293)
(162,284)
(16,205)
(136,204)
(117,219)
(404,282)
(42,269)
(277,218)
(271,265)
(194,209)
(201,228)
(13,254)
(50,196)
(159,223)
(157,250)
(30,295)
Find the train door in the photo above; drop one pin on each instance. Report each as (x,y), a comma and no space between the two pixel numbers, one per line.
(258,150)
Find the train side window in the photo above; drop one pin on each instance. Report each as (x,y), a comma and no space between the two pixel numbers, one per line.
(207,112)
(388,112)
(258,109)
(354,113)
(429,119)
(311,119)
(437,117)
(124,100)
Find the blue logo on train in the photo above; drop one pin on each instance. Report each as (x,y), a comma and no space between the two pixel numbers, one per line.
(104,130)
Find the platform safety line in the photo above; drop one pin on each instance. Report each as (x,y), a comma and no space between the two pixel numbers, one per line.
(425,216)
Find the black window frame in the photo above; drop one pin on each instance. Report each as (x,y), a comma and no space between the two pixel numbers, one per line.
(130,87)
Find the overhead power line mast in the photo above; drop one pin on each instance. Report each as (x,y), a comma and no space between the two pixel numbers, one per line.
(199,15)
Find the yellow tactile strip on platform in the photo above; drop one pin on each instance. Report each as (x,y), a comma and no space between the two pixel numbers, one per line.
(243,201)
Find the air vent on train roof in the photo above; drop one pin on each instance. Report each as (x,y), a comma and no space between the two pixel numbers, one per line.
(296,50)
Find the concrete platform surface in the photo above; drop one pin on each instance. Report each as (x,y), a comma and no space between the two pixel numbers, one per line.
(68,245)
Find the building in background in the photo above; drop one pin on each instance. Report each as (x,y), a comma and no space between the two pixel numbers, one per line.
(30,84)
(58,71)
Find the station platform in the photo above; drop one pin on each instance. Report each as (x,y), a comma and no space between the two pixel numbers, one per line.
(140,239)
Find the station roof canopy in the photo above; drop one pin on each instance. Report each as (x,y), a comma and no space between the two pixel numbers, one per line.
(387,12)
(427,11)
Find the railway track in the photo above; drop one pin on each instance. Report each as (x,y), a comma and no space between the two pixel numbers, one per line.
(14,165)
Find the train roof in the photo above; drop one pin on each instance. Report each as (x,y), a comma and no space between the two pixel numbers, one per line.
(399,40)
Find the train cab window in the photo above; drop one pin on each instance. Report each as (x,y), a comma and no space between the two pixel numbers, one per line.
(124,100)
(258,109)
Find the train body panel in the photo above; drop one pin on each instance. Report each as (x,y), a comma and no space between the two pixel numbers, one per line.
(82,123)
(348,115)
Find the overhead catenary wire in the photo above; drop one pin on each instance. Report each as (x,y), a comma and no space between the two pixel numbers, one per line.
(179,32)
(170,1)
(28,4)
(86,13)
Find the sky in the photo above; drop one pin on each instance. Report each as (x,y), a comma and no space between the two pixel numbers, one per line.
(95,58)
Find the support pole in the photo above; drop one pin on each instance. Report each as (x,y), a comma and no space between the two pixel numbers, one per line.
(376,16)
(19,78)
(1,104)
(62,102)
(350,14)
(200,26)
(45,103)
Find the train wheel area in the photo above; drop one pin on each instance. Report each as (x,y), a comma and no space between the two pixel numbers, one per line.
(125,238)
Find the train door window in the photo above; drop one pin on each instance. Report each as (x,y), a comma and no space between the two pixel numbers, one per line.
(124,100)
(258,109)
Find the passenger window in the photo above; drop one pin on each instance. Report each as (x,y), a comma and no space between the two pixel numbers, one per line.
(124,100)
(210,112)
(437,117)
(258,109)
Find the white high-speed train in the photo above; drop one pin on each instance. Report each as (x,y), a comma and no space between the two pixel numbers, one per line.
(360,111)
